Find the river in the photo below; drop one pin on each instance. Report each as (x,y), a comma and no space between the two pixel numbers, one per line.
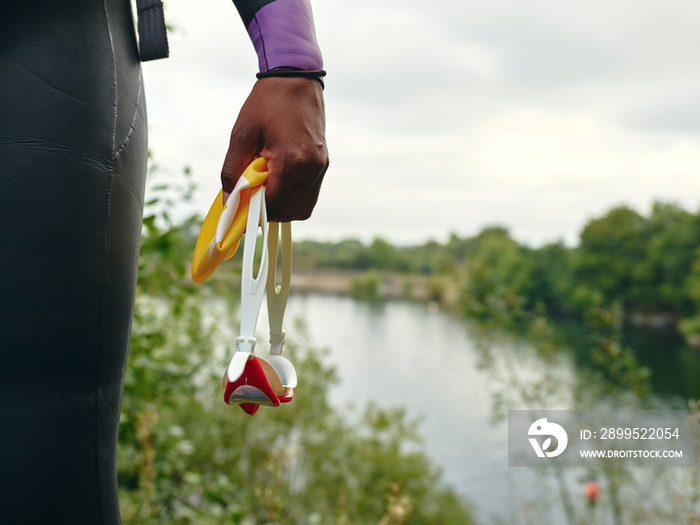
(398,354)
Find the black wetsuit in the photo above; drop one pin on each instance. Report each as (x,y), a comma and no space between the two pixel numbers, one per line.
(73,155)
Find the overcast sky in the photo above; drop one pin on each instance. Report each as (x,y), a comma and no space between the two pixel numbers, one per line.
(450,115)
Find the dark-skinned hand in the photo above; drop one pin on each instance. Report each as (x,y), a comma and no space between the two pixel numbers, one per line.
(283,120)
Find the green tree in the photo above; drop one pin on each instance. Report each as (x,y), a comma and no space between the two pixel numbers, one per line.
(382,255)
(674,237)
(610,252)
(549,282)
(496,272)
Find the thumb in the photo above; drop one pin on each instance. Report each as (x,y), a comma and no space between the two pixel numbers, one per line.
(242,150)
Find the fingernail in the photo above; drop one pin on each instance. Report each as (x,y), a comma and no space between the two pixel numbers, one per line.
(226,195)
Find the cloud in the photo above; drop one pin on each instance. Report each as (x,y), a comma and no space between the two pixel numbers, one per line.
(449,115)
(544,56)
(682,116)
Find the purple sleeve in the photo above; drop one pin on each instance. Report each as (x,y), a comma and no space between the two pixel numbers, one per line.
(282,32)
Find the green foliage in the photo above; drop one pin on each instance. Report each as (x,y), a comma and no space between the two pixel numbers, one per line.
(497,270)
(646,264)
(550,282)
(639,265)
(345,254)
(610,248)
(378,255)
(506,282)
(185,457)
(512,290)
(643,262)
(617,364)
(366,286)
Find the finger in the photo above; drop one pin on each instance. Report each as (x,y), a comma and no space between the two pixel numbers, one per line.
(282,179)
(299,202)
(308,204)
(242,149)
(304,211)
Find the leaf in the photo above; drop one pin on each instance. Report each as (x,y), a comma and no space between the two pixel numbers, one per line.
(546,443)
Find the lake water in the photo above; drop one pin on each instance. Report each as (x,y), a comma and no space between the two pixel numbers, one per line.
(398,354)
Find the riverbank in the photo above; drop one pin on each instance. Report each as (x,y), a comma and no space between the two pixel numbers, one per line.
(377,285)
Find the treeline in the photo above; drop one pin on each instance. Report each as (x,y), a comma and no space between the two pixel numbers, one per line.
(429,258)
(647,264)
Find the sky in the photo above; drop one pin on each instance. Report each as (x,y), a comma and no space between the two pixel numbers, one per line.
(449,116)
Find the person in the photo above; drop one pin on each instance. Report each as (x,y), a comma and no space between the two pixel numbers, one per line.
(73,154)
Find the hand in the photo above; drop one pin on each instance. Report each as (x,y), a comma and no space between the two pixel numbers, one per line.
(283,120)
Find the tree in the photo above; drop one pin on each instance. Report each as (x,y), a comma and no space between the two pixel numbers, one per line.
(610,253)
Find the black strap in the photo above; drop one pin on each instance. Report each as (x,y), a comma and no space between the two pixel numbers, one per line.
(153,37)
(316,74)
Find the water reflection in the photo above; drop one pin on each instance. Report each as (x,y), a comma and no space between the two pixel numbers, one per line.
(399,355)
(675,365)
(436,366)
